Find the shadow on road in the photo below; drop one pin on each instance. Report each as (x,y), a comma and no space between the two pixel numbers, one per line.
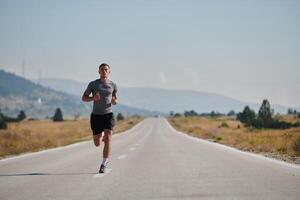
(49,174)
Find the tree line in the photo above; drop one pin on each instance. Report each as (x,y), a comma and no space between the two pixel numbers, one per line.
(58,116)
(193,113)
(264,118)
(4,119)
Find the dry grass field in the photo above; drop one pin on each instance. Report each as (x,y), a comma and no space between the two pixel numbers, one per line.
(280,144)
(28,136)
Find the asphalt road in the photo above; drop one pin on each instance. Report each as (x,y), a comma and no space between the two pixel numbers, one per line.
(150,161)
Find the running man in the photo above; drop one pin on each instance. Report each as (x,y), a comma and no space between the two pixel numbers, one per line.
(102,118)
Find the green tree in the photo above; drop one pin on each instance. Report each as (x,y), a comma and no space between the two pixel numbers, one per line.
(190,113)
(172,113)
(21,115)
(290,111)
(177,115)
(3,124)
(265,114)
(247,116)
(231,113)
(58,117)
(212,113)
(295,112)
(120,117)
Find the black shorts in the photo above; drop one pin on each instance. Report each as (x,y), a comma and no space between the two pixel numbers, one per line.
(101,122)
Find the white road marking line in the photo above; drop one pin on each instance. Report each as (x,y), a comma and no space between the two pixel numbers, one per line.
(104,174)
(123,156)
(132,148)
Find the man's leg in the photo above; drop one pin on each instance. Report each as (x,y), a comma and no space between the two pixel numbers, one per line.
(106,150)
(107,143)
(97,139)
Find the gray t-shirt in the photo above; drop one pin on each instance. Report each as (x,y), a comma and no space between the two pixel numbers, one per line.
(107,90)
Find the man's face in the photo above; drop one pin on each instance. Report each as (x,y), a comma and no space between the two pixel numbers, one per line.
(104,71)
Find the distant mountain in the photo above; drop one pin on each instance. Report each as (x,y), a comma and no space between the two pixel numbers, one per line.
(165,100)
(181,100)
(17,93)
(64,85)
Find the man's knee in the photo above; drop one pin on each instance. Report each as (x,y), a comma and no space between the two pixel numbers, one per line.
(107,136)
(97,143)
(97,140)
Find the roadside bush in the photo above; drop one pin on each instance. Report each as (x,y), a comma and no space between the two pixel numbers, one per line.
(224,125)
(296,145)
(120,117)
(177,115)
(3,124)
(280,124)
(217,139)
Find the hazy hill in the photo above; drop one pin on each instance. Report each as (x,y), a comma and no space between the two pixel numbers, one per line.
(17,93)
(165,100)
(65,85)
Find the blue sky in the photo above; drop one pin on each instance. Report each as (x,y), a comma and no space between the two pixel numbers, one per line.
(248,50)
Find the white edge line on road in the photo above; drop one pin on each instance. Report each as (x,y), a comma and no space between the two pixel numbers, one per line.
(132,148)
(234,149)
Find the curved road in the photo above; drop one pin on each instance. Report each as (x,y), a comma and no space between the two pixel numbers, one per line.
(150,161)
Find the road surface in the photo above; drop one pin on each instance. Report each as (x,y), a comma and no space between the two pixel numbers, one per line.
(150,161)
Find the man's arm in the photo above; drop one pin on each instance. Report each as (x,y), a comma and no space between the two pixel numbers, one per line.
(86,97)
(114,100)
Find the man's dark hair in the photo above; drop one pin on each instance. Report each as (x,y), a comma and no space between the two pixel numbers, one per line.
(103,65)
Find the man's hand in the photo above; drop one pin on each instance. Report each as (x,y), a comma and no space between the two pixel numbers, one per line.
(97,97)
(114,100)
